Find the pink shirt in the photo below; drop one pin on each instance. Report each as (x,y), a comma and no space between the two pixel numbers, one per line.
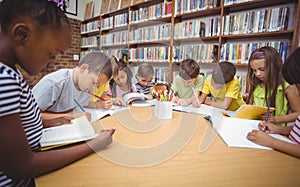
(295,132)
(121,93)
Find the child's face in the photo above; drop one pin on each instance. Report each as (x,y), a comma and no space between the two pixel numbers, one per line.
(87,81)
(121,79)
(258,67)
(189,82)
(144,81)
(217,86)
(102,79)
(40,49)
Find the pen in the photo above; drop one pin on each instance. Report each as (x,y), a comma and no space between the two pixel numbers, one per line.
(81,108)
(194,91)
(267,115)
(101,98)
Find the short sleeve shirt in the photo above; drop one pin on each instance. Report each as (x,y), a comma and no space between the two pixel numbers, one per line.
(185,92)
(100,91)
(16,97)
(56,92)
(231,89)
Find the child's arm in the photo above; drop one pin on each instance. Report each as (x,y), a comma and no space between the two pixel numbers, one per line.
(118,101)
(224,104)
(201,100)
(261,138)
(20,162)
(54,119)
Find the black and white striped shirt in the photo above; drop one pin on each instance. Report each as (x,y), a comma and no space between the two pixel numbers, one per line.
(16,97)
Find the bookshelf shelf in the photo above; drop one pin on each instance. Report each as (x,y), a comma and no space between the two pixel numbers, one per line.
(262,35)
(186,18)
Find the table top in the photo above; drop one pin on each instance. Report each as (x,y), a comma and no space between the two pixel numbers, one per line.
(182,151)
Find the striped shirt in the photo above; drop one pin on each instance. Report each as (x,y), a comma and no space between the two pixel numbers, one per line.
(16,97)
(295,132)
(144,89)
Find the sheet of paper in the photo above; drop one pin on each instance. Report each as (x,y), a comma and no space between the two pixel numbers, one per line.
(203,109)
(234,133)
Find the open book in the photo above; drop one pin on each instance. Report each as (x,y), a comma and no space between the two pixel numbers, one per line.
(248,112)
(101,113)
(80,130)
(128,98)
(234,132)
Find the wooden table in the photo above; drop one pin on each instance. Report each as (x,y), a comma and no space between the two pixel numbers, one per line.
(217,166)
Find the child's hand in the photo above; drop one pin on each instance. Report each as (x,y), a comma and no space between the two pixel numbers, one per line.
(208,101)
(103,140)
(118,101)
(149,97)
(175,99)
(270,127)
(196,104)
(261,138)
(87,114)
(57,121)
(183,102)
(107,104)
(271,118)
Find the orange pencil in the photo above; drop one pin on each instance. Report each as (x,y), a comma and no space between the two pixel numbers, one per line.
(101,98)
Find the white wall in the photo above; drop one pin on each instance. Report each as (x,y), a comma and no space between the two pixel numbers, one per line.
(81,9)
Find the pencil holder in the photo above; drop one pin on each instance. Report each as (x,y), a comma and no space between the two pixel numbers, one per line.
(163,110)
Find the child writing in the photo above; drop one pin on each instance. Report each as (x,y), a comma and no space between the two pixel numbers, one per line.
(188,84)
(102,87)
(55,92)
(32,34)
(121,85)
(144,77)
(291,72)
(267,85)
(223,86)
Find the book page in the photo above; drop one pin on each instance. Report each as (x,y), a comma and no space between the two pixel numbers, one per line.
(134,96)
(143,103)
(80,130)
(100,113)
(234,132)
(203,109)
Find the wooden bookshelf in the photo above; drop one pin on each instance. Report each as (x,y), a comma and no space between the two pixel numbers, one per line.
(139,17)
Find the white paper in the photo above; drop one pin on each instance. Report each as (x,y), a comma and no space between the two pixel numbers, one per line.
(100,113)
(234,133)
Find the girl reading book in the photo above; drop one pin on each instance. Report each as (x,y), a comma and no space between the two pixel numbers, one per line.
(121,85)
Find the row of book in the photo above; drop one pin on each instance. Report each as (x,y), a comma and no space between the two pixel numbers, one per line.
(204,27)
(203,53)
(149,54)
(115,38)
(231,2)
(150,34)
(121,20)
(152,12)
(92,41)
(183,6)
(107,23)
(90,27)
(239,53)
(264,20)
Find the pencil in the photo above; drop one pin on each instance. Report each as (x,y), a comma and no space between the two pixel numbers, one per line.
(81,108)
(101,98)
(194,91)
(267,115)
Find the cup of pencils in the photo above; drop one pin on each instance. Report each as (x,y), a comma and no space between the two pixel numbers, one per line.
(163,105)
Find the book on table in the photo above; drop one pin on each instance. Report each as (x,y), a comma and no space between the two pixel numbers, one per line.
(80,130)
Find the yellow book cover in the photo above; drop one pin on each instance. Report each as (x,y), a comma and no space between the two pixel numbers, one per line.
(248,112)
